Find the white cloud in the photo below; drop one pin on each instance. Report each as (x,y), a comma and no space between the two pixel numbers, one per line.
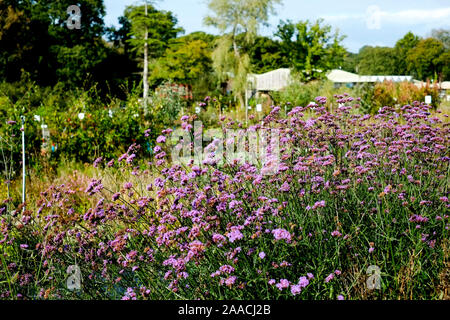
(417,16)
(375,17)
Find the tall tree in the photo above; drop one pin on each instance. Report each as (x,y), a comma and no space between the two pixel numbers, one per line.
(231,18)
(185,60)
(427,60)
(310,48)
(150,33)
(402,49)
(35,39)
(265,55)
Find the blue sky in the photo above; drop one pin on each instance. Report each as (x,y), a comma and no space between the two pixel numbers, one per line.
(380,22)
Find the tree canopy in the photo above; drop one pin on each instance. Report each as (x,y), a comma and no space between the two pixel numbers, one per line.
(310,48)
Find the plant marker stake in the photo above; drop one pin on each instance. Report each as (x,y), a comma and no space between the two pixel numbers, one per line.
(23,161)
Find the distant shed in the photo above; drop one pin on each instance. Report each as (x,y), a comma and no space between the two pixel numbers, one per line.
(339,77)
(274,80)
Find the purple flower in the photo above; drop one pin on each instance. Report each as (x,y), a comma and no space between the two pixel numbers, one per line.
(230,281)
(336,233)
(130,158)
(340,297)
(296,289)
(226,269)
(280,234)
(285,187)
(235,234)
(262,255)
(157,149)
(97,161)
(319,204)
(329,278)
(161,139)
(128,185)
(303,282)
(283,284)
(122,157)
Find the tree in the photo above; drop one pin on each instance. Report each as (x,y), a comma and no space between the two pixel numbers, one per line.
(376,61)
(75,53)
(15,45)
(35,40)
(231,18)
(149,34)
(427,59)
(350,62)
(186,61)
(310,48)
(265,55)
(402,49)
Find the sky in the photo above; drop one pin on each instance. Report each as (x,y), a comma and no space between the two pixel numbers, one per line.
(364,22)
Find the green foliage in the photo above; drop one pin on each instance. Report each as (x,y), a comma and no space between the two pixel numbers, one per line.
(35,39)
(168,100)
(421,58)
(187,60)
(377,61)
(402,50)
(350,62)
(265,55)
(77,140)
(426,60)
(160,25)
(311,49)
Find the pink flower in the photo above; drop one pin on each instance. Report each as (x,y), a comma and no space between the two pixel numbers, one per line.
(128,185)
(285,187)
(329,278)
(230,281)
(280,234)
(234,234)
(336,233)
(303,282)
(296,289)
(283,284)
